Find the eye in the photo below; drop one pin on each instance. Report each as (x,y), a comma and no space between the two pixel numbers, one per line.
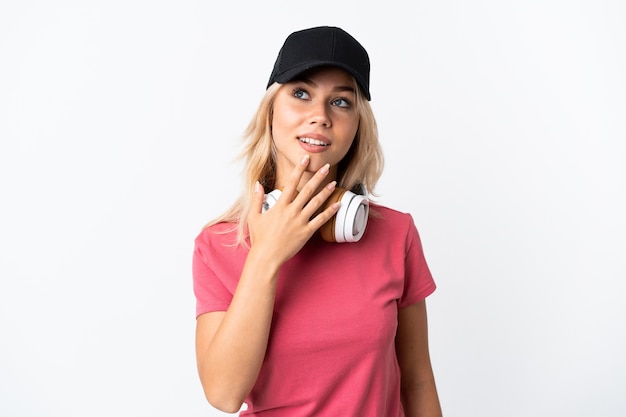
(341,102)
(300,93)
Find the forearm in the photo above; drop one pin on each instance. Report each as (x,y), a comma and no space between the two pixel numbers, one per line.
(421,399)
(229,364)
(418,390)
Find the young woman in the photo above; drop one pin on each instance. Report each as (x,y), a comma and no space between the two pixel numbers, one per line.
(311,299)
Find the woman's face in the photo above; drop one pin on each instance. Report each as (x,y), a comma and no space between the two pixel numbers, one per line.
(314,115)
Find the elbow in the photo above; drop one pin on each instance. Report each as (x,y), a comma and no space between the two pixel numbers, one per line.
(225,407)
(225,393)
(224,402)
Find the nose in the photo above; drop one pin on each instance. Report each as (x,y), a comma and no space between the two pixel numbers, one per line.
(320,114)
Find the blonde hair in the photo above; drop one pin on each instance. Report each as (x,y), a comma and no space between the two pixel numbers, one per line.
(362,165)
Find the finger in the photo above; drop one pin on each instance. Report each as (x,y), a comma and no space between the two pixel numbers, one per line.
(257,198)
(291,187)
(324,216)
(309,189)
(320,200)
(255,209)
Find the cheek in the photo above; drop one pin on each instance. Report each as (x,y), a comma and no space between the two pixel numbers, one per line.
(350,132)
(282,122)
(350,135)
(278,129)
(355,129)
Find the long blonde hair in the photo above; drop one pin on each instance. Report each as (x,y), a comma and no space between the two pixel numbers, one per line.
(362,165)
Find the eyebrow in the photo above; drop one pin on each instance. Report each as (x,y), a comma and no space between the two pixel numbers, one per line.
(347,88)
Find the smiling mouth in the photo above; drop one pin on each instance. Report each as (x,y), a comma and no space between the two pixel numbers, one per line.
(311,141)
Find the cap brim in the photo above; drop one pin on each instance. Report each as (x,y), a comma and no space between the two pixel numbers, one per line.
(294,72)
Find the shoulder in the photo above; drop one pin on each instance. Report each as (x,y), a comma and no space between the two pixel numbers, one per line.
(389,217)
(217,236)
(392,224)
(218,228)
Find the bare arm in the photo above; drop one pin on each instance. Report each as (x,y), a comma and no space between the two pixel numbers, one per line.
(418,390)
(231,345)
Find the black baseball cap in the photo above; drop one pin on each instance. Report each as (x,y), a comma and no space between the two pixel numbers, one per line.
(321,46)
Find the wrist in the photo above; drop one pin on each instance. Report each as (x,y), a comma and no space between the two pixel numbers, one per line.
(262,264)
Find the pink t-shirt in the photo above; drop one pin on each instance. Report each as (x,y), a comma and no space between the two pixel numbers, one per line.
(331,350)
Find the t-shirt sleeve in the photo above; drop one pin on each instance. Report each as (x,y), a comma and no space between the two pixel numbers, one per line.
(211,293)
(418,280)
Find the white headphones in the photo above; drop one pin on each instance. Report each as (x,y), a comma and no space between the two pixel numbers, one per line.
(347,225)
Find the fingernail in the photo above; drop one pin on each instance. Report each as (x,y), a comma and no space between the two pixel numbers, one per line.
(331,185)
(325,169)
(305,160)
(257,187)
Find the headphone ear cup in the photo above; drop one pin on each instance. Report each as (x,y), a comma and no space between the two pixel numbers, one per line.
(270,199)
(348,224)
(351,222)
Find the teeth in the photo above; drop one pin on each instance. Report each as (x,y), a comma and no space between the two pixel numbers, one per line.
(311,141)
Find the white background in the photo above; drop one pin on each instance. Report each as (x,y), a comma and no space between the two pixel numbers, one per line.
(504,129)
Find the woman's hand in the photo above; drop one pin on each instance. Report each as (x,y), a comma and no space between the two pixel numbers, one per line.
(231,345)
(284,229)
